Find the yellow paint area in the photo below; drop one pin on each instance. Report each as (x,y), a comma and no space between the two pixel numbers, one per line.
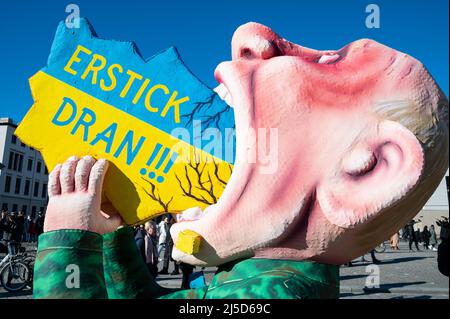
(188,242)
(65,121)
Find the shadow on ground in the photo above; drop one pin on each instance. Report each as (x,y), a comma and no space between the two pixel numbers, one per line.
(6,294)
(386,288)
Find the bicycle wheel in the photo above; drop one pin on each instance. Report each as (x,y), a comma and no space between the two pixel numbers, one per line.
(29,261)
(14,276)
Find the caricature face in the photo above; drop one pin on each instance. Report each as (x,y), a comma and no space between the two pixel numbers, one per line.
(348,177)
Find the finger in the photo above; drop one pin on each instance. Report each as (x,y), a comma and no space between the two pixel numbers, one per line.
(96,177)
(82,173)
(67,175)
(54,186)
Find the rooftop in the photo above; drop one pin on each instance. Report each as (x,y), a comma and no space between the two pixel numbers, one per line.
(7,121)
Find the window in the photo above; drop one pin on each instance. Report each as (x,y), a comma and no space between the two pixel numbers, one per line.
(7,184)
(22,144)
(26,191)
(18,184)
(42,210)
(5,207)
(33,210)
(46,171)
(36,189)
(15,161)
(24,209)
(44,190)
(13,139)
(11,160)
(20,162)
(30,164)
(38,166)
(14,208)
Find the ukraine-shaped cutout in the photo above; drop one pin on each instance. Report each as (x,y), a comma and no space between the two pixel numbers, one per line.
(169,137)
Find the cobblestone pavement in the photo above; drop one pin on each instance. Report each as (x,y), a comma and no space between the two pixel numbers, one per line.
(402,275)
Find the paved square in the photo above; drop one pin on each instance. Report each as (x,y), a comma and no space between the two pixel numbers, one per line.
(402,275)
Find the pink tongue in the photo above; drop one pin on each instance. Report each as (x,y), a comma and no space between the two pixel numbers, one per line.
(326,59)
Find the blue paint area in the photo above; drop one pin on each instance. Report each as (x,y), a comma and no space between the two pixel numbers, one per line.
(164,68)
(162,158)
(172,160)
(154,153)
(197,280)
(160,179)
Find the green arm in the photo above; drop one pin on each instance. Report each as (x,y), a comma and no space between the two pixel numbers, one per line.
(69,264)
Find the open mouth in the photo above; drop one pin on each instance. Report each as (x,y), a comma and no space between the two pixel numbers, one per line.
(320,57)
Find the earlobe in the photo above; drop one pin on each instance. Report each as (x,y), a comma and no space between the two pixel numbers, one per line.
(375,173)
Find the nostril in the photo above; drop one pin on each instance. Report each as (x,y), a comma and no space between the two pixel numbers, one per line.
(246,53)
(259,48)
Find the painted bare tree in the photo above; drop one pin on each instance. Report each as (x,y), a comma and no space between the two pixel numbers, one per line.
(199,180)
(154,194)
(210,117)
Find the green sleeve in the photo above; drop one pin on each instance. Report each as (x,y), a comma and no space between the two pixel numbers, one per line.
(126,275)
(69,264)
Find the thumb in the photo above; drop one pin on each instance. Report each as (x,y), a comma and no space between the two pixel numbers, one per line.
(109,212)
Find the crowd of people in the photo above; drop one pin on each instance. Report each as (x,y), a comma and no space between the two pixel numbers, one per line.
(155,245)
(412,233)
(19,227)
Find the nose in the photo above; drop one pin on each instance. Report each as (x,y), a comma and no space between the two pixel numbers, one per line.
(254,41)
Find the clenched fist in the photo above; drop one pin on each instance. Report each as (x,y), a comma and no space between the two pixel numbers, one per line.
(75,190)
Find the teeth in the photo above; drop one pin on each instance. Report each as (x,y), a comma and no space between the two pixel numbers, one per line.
(328,58)
(190,214)
(223,93)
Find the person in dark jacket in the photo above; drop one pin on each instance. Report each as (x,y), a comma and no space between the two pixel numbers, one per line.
(26,229)
(39,224)
(11,229)
(3,221)
(186,270)
(443,257)
(426,237)
(5,226)
(412,235)
(20,222)
(139,238)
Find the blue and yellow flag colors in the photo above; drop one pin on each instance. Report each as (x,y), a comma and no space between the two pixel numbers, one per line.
(170,137)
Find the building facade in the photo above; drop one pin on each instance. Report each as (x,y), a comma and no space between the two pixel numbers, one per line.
(23,174)
(435,208)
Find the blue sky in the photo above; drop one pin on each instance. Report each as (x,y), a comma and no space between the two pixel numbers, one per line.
(202,32)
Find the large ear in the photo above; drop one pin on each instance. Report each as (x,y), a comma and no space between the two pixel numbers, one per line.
(376,172)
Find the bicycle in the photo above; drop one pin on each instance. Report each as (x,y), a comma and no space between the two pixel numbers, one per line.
(15,274)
